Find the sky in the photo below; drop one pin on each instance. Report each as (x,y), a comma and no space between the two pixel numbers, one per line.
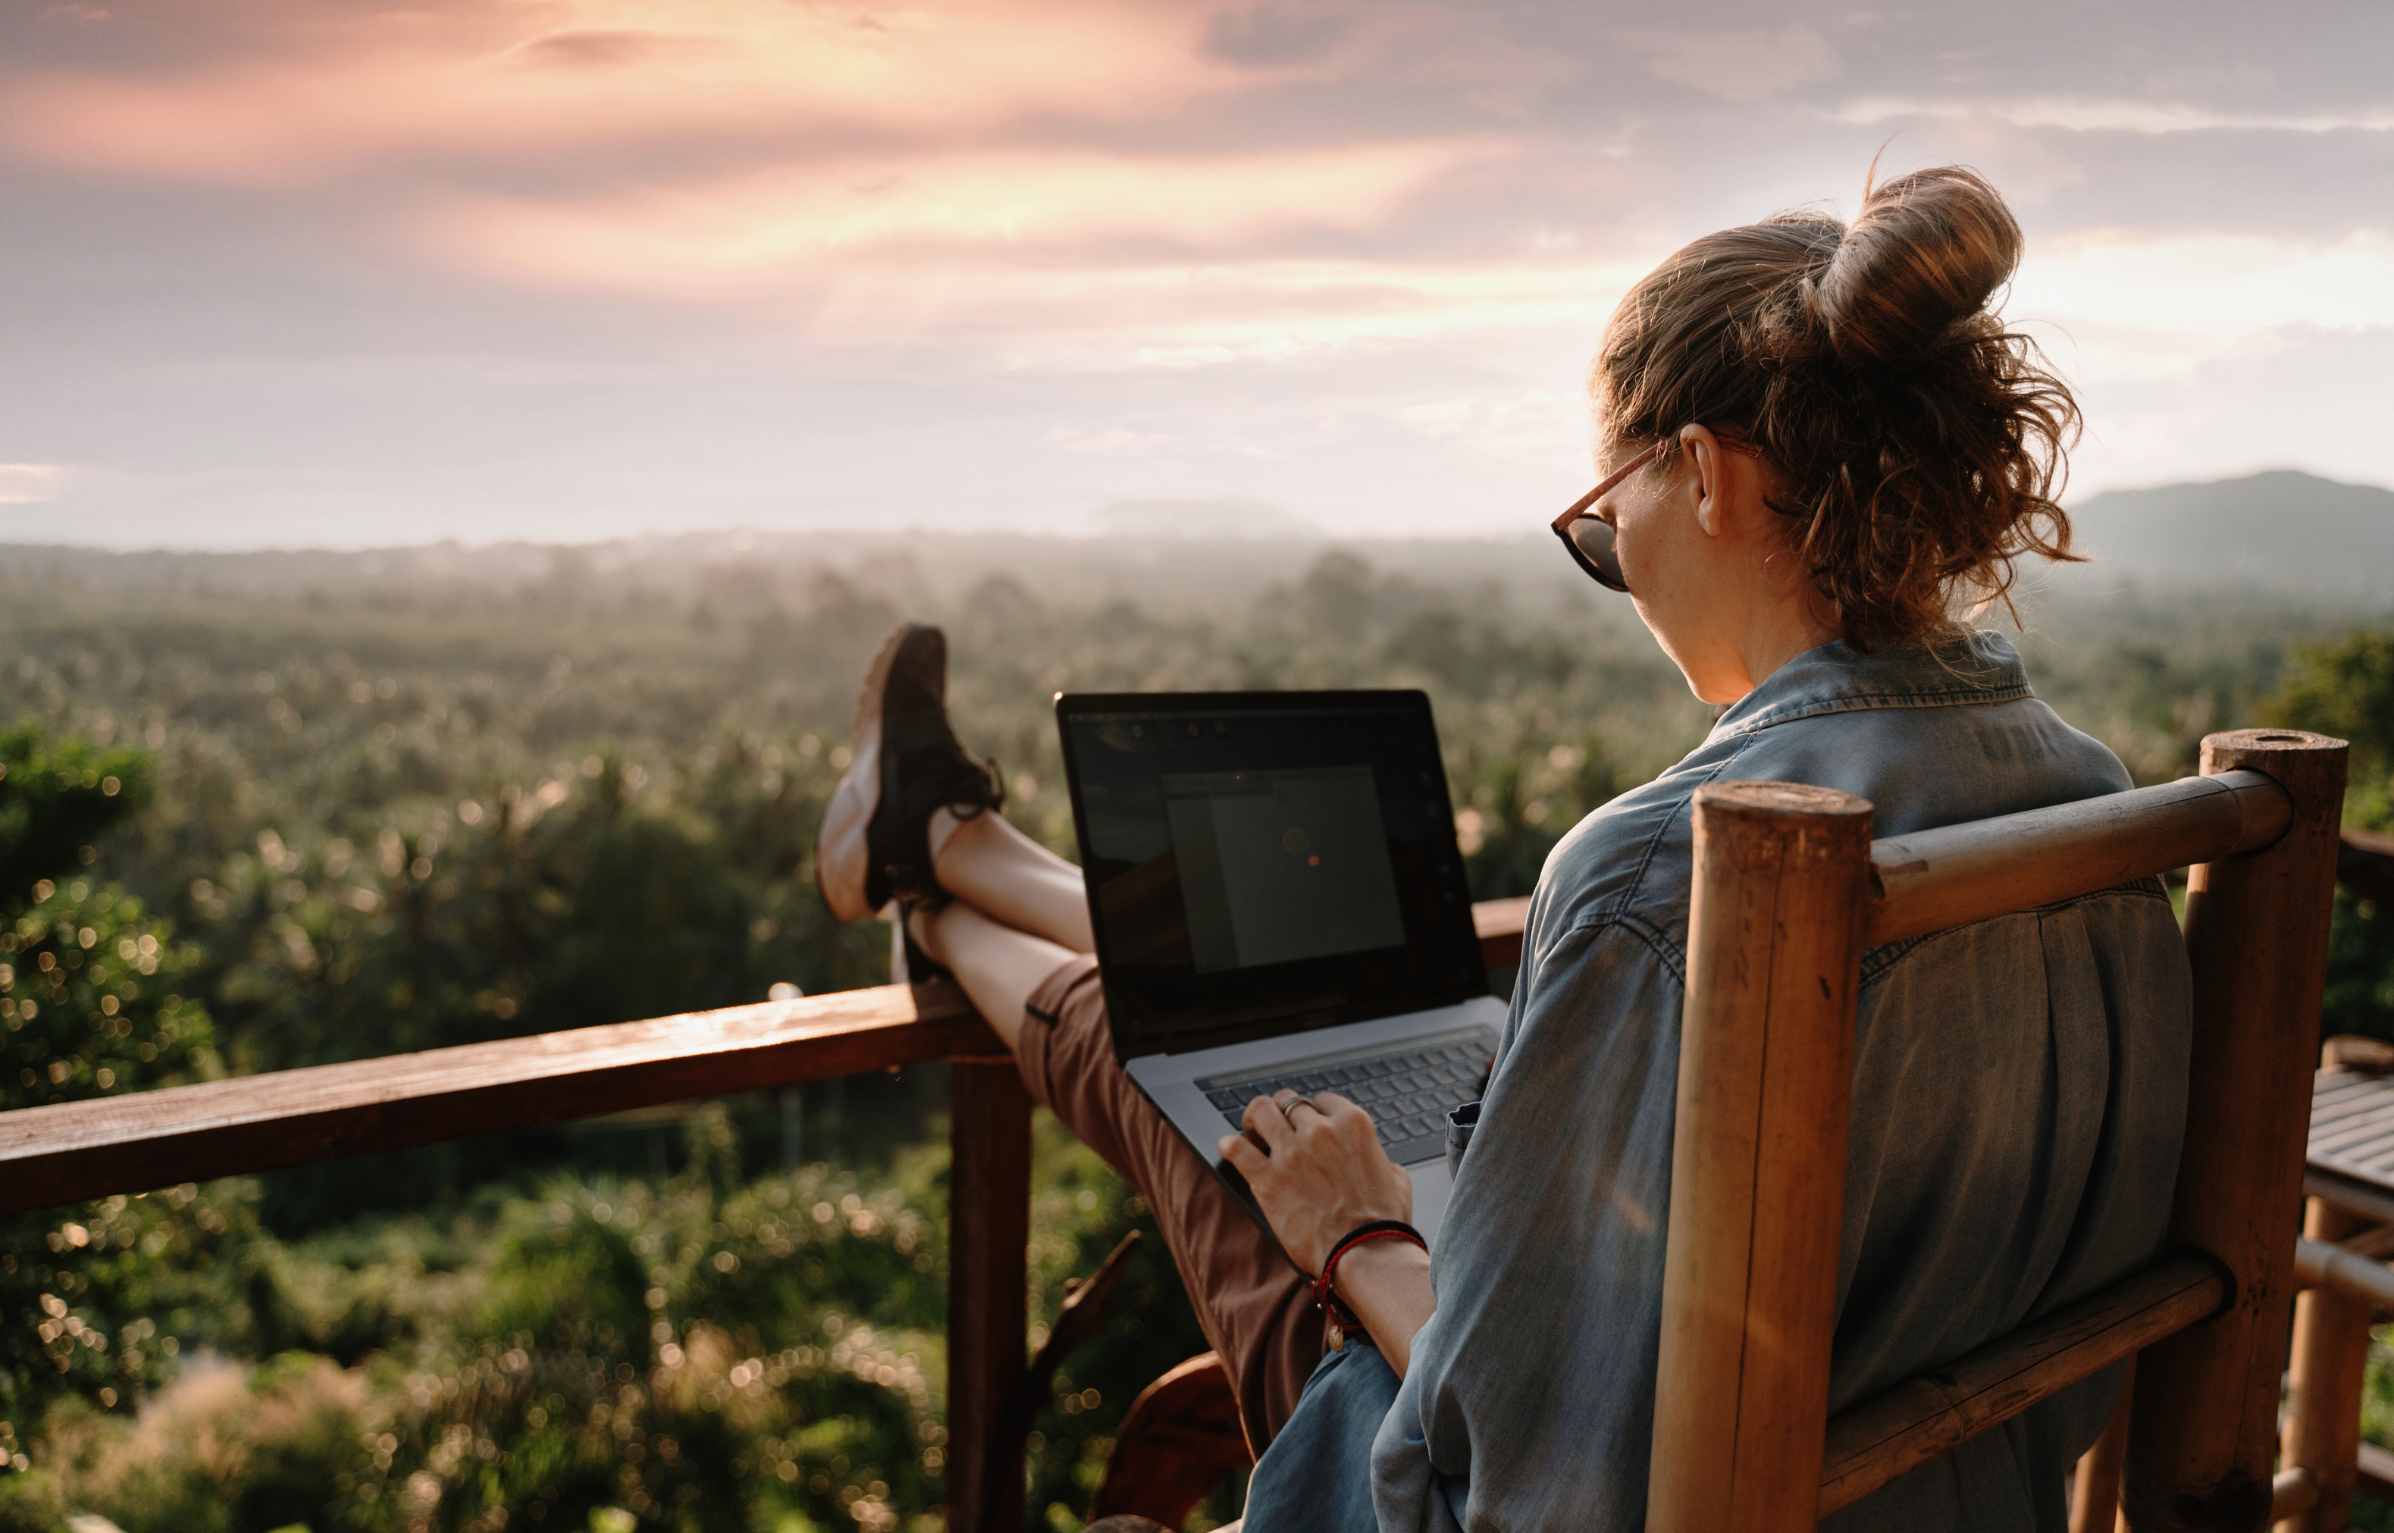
(338,272)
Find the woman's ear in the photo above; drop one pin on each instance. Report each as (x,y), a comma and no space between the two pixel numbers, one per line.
(1711,488)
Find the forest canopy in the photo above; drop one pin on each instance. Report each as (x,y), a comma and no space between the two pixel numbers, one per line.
(266,811)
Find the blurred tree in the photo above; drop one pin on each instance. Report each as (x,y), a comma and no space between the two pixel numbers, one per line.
(56,796)
(96,1300)
(2346,688)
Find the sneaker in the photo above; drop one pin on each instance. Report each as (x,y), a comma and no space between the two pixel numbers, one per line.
(905,762)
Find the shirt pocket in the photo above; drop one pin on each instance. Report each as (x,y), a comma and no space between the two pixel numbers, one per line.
(1460,1123)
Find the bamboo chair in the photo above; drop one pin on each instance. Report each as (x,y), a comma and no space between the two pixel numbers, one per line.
(1789,893)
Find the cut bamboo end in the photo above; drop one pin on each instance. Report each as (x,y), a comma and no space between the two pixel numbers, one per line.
(1781,818)
(2298,760)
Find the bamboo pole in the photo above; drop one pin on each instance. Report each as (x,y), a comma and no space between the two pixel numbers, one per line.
(2372,1241)
(2322,1429)
(2326,1267)
(2205,1426)
(1956,874)
(2095,1489)
(1930,1414)
(2292,1493)
(1758,1158)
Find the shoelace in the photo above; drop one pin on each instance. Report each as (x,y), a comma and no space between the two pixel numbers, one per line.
(962,784)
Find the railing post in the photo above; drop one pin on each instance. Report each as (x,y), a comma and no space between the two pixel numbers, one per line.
(1758,1159)
(2322,1432)
(2205,1423)
(989,1224)
(2095,1489)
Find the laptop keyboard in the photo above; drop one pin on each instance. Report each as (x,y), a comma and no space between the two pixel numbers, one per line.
(1407,1093)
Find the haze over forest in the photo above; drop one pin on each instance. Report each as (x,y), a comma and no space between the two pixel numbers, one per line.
(2282,532)
(357,803)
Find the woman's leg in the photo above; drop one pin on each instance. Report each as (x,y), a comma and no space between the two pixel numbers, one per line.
(1017,937)
(994,867)
(999,966)
(1046,1002)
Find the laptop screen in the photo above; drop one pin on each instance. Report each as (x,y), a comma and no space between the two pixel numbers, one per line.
(1260,862)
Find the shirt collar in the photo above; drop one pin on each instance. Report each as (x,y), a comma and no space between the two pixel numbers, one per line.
(1974,667)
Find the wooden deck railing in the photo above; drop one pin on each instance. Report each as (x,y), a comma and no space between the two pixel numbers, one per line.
(73,1151)
(142,1140)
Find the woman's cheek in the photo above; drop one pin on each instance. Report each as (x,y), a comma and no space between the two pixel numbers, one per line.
(1637,563)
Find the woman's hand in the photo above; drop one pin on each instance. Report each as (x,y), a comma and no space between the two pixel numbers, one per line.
(1320,1172)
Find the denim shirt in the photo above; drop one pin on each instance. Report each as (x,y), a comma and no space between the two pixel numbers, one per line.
(2019,1101)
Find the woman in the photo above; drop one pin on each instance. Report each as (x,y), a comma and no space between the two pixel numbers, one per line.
(1817,446)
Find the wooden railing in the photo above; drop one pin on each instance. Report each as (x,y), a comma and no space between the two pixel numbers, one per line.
(142,1140)
(73,1151)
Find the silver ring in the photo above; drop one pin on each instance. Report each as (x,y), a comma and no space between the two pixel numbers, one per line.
(1295,1100)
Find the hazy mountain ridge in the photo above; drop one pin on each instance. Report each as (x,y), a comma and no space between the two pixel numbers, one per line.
(2280,530)
(2282,533)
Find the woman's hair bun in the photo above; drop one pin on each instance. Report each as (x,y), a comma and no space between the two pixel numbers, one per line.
(1918,447)
(1928,250)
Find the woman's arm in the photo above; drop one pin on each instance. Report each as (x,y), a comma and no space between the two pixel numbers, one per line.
(1529,1404)
(1317,1169)
(1387,1285)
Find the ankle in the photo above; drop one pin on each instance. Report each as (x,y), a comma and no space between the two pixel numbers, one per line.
(945,829)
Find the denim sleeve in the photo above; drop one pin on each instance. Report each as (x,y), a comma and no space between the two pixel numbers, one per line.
(1530,1398)
(1315,1477)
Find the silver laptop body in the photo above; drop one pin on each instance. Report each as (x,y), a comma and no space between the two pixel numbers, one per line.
(1278,899)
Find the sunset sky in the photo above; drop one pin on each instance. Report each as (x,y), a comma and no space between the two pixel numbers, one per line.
(341,272)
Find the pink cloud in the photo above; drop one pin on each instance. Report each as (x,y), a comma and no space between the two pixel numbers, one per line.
(26,484)
(526,79)
(741,235)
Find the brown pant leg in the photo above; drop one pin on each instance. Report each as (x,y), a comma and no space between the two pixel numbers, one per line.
(1254,1305)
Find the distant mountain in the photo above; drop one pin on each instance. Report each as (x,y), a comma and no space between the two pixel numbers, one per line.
(2276,535)
(2280,531)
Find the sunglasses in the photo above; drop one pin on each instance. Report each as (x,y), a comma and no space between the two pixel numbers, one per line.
(1591,539)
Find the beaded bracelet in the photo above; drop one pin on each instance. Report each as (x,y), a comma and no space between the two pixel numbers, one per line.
(1361,1235)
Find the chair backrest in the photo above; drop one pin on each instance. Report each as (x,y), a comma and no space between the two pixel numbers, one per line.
(1789,892)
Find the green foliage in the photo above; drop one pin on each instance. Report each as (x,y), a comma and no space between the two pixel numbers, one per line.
(96,1300)
(56,797)
(31,1502)
(2346,688)
(2360,979)
(91,999)
(424,799)
(1079,1210)
(2348,684)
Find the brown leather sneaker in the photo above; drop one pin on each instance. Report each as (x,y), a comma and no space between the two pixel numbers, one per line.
(905,762)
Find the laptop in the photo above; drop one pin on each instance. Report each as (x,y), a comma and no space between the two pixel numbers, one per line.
(1278,900)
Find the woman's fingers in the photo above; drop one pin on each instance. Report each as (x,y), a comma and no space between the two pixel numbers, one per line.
(1336,1108)
(1287,1119)
(1354,1124)
(1242,1154)
(1267,1121)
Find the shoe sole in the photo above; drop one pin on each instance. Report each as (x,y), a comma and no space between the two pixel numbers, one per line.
(843,859)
